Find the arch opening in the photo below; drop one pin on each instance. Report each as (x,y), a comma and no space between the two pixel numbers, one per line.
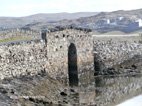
(72,65)
(43,37)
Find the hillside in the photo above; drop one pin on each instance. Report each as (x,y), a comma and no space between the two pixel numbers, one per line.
(125,21)
(103,22)
(16,22)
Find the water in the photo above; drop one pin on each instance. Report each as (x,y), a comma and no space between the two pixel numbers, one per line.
(136,101)
(112,90)
(109,90)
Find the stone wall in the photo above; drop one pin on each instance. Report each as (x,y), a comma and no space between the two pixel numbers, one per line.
(114,50)
(31,58)
(52,57)
(19,32)
(22,59)
(58,47)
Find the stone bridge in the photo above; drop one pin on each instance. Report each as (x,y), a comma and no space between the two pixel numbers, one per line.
(70,55)
(65,55)
(73,57)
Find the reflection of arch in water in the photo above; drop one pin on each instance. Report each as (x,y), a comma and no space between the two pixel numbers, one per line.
(72,65)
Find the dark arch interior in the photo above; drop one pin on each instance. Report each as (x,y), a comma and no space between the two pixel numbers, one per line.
(43,36)
(72,65)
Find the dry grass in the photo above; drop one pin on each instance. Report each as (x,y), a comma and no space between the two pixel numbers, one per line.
(15,39)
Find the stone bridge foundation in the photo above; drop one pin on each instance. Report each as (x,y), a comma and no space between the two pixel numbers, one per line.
(70,55)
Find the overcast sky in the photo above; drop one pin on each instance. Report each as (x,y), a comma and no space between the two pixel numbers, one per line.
(28,7)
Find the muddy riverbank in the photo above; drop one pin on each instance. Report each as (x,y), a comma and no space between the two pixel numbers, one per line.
(42,90)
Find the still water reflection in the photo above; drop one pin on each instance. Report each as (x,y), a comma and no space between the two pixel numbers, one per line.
(136,101)
(112,90)
(106,90)
(109,90)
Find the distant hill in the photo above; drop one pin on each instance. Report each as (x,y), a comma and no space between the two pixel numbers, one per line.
(103,22)
(125,21)
(47,17)
(116,21)
(14,22)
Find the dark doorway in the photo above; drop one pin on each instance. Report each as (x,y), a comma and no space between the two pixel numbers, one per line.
(72,65)
(43,36)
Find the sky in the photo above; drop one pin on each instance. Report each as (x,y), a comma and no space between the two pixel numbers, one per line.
(19,8)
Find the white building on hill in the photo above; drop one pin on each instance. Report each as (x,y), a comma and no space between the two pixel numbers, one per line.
(140,22)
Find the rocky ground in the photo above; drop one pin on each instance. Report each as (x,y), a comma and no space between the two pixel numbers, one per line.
(41,90)
(130,66)
(38,90)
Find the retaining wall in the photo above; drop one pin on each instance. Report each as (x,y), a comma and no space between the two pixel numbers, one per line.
(114,50)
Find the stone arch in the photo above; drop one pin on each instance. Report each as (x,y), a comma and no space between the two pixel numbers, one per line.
(43,36)
(72,65)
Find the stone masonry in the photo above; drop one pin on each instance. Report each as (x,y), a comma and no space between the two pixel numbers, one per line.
(57,51)
(114,50)
(22,59)
(19,32)
(54,55)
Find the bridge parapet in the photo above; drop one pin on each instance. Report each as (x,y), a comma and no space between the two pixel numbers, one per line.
(114,50)
(19,32)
